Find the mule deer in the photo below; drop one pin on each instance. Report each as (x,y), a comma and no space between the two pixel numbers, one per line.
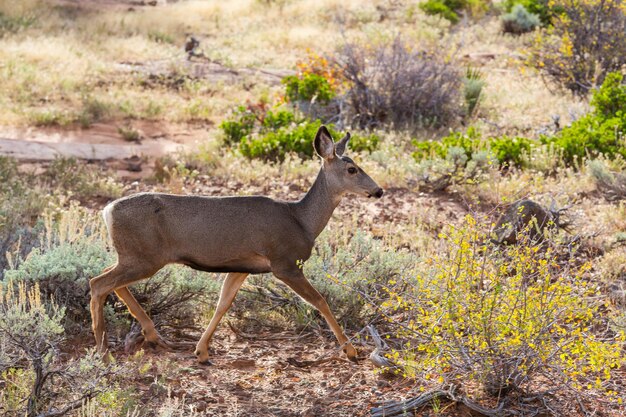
(238,235)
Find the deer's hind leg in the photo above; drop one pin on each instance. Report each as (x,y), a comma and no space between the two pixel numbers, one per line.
(230,287)
(150,334)
(101,286)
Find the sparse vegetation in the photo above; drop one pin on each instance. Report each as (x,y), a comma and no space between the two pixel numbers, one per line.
(460,125)
(519,20)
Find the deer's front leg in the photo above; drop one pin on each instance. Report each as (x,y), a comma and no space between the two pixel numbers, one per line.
(230,287)
(296,280)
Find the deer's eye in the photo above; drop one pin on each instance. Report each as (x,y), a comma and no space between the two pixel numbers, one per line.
(352,170)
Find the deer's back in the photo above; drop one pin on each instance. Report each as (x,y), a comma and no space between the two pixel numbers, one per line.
(239,234)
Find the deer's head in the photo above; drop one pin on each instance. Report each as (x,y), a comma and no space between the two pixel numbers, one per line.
(343,175)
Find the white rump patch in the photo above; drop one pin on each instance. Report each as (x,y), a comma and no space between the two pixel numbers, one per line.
(107,214)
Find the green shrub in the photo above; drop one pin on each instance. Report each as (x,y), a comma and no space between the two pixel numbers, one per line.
(610,98)
(278,119)
(308,87)
(511,150)
(439,8)
(270,135)
(601,132)
(507,150)
(239,127)
(274,145)
(450,9)
(519,20)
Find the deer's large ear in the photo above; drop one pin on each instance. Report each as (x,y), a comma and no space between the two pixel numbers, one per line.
(324,145)
(340,147)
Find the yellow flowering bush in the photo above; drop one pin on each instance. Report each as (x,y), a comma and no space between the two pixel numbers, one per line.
(587,41)
(503,319)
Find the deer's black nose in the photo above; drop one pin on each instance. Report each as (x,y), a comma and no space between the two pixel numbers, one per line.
(378,193)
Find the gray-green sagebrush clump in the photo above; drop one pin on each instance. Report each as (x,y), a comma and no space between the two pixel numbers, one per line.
(35,378)
(348,269)
(73,250)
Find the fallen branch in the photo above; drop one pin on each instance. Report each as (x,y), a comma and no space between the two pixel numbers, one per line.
(399,408)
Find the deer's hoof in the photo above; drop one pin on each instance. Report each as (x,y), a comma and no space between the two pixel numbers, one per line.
(350,352)
(203,357)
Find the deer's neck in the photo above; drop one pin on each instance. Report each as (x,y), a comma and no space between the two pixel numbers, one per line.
(317,206)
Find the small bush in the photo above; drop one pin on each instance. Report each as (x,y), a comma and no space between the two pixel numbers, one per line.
(440,8)
(543,9)
(37,381)
(394,85)
(519,20)
(473,82)
(451,9)
(611,184)
(601,132)
(83,180)
(265,134)
(308,87)
(503,323)
(239,127)
(585,43)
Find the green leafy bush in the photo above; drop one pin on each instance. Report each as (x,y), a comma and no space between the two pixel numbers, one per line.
(270,135)
(240,126)
(610,98)
(601,132)
(450,9)
(519,20)
(308,87)
(274,145)
(440,8)
(507,150)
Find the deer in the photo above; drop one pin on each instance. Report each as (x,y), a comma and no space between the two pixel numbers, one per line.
(237,235)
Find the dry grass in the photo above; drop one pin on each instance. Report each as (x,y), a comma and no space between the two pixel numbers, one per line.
(70,53)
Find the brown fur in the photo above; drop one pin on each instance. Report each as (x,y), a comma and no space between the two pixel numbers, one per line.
(239,235)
